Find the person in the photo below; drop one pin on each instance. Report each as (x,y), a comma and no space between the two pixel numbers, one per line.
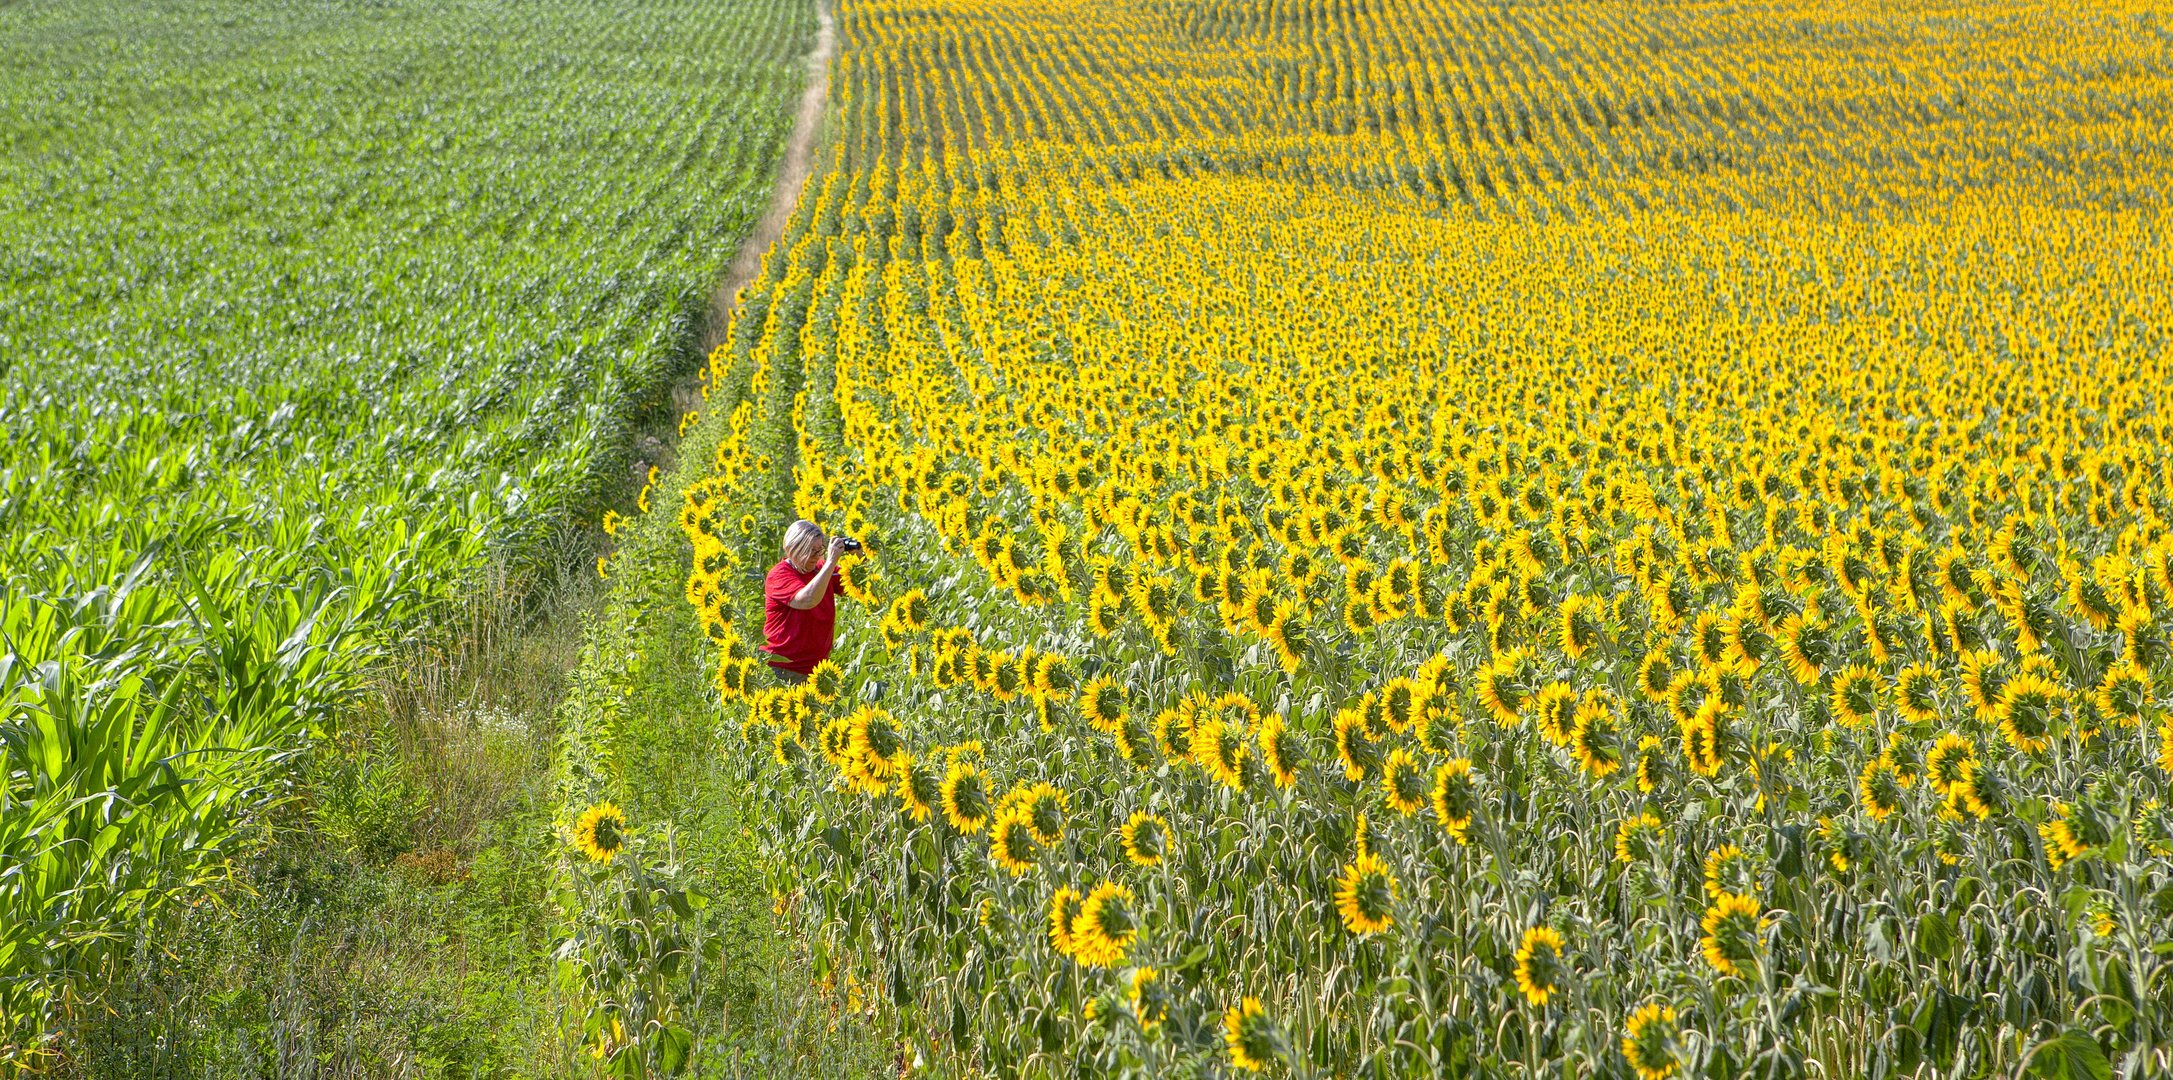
(800,602)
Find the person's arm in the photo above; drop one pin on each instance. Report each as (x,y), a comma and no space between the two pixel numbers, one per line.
(817,587)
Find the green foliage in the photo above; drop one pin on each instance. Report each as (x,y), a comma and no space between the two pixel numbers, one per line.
(308,310)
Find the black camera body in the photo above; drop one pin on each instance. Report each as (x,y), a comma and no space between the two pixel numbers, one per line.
(847,543)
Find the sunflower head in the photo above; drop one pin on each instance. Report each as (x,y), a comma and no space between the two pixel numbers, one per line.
(965,797)
(1011,842)
(1063,910)
(2124,693)
(1596,737)
(1732,926)
(1540,967)
(1365,895)
(1355,745)
(1579,624)
(1637,839)
(2027,709)
(1404,782)
(601,832)
(1555,706)
(1103,703)
(1148,996)
(1252,1040)
(1105,927)
(1144,838)
(1649,1041)
(827,681)
(1856,696)
(1880,788)
(1280,750)
(1916,693)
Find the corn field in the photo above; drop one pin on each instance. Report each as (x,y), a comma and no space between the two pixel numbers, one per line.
(1562,539)
(309,312)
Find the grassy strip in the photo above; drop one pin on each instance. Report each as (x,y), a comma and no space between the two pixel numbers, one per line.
(638,730)
(395,919)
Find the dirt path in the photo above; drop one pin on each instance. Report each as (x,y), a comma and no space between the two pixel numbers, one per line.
(799,149)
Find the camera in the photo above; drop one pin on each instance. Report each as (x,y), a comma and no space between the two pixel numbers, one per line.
(847,543)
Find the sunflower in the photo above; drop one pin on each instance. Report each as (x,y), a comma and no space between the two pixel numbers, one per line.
(1104,616)
(785,747)
(2123,693)
(1880,788)
(1011,841)
(1105,927)
(919,787)
(733,677)
(1173,734)
(1456,797)
(1399,704)
(910,610)
(1596,738)
(601,832)
(1054,676)
(1686,694)
(1252,1040)
(1579,624)
(1984,676)
(1365,895)
(1280,750)
(1540,966)
(1043,805)
(1845,846)
(1555,707)
(1652,764)
(1749,645)
(1855,698)
(1285,633)
(1672,598)
(1355,745)
(2069,835)
(1403,781)
(2027,707)
(1732,926)
(1064,907)
(1654,673)
(1709,638)
(1978,792)
(1149,998)
(827,681)
(1728,869)
(965,797)
(1648,1041)
(1144,838)
(1704,737)
(1916,693)
(874,742)
(1501,689)
(1637,839)
(1805,646)
(2146,645)
(1947,763)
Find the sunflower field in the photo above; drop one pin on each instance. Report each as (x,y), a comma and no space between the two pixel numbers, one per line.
(1473,539)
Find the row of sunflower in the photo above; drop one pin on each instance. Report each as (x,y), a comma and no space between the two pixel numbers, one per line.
(1419,540)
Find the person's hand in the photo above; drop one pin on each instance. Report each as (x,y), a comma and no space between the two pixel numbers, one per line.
(837,548)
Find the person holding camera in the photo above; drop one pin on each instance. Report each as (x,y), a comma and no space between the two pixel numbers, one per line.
(800,608)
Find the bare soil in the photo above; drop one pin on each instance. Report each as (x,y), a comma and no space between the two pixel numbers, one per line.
(791,176)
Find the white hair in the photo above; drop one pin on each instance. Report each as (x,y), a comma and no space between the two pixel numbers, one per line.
(799,536)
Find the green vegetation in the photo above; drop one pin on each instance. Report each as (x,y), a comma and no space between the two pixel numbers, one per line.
(310,314)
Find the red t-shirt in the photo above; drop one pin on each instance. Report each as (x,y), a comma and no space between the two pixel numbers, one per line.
(798,639)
